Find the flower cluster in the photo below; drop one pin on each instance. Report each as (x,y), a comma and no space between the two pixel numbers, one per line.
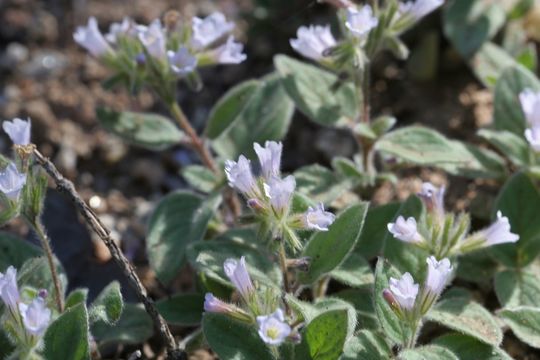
(269,318)
(270,195)
(410,302)
(25,321)
(317,42)
(530,104)
(161,51)
(445,234)
(12,180)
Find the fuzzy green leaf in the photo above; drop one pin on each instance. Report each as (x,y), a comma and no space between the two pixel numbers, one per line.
(179,219)
(519,200)
(467,317)
(524,322)
(324,337)
(108,305)
(317,93)
(150,131)
(266,116)
(67,337)
(329,249)
(233,340)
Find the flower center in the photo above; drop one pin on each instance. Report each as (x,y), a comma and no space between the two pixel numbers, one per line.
(272,333)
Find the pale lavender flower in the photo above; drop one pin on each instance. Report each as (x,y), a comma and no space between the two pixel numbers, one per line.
(317,218)
(36,316)
(312,41)
(210,29)
(153,39)
(437,275)
(433,197)
(273,329)
(418,8)
(405,230)
(213,304)
(90,38)
(237,272)
(269,158)
(9,292)
(18,131)
(530,104)
(118,29)
(404,291)
(12,181)
(532,135)
(230,53)
(498,232)
(360,22)
(182,62)
(240,176)
(280,192)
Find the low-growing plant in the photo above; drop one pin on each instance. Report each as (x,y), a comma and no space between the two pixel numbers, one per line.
(295,266)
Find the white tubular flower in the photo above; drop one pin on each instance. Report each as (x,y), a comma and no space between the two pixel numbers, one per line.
(318,219)
(530,104)
(18,131)
(312,41)
(498,232)
(532,135)
(438,274)
(404,291)
(240,176)
(360,22)
(269,158)
(213,304)
(405,230)
(12,181)
(9,292)
(280,192)
(273,329)
(153,39)
(230,53)
(182,62)
(119,29)
(418,8)
(90,38)
(433,197)
(208,30)
(237,272)
(36,316)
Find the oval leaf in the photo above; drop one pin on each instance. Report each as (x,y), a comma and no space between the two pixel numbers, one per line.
(67,337)
(524,322)
(233,340)
(150,131)
(179,219)
(329,249)
(317,93)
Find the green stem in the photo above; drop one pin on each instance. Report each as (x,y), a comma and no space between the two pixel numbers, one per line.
(46,245)
(320,287)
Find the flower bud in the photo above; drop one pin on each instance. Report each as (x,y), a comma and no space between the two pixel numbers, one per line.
(237,272)
(255,205)
(433,198)
(269,158)
(43,293)
(9,291)
(12,182)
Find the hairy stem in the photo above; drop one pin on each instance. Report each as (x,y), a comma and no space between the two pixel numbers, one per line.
(284,271)
(204,154)
(46,245)
(66,186)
